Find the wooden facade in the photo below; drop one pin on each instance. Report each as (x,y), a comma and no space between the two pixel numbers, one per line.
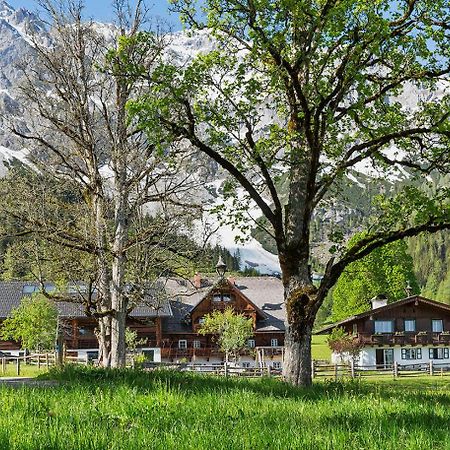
(189,345)
(175,332)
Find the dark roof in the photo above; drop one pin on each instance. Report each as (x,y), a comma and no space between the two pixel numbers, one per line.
(12,292)
(382,309)
(266,294)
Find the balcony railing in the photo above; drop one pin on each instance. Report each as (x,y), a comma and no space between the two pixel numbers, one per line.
(406,338)
(174,352)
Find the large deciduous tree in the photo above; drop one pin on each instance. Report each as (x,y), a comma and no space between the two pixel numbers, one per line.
(96,171)
(296,94)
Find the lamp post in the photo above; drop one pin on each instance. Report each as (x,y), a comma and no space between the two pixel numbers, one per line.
(221,268)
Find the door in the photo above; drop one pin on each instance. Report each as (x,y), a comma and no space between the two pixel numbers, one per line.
(388,357)
(384,357)
(379,357)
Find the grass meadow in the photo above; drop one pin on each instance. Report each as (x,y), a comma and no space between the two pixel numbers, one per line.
(101,409)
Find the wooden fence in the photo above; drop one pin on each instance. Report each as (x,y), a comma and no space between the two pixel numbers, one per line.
(395,370)
(319,369)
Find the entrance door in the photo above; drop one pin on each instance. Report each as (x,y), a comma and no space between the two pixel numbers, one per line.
(384,357)
(388,357)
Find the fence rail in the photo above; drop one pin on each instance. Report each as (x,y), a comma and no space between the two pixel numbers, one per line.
(319,369)
(395,370)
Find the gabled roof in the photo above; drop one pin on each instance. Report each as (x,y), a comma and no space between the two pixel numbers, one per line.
(265,293)
(12,292)
(220,284)
(388,307)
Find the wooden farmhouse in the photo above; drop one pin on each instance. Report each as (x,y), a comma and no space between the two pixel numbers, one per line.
(168,320)
(410,331)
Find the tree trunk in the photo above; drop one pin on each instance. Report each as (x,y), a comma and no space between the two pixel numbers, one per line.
(118,296)
(297,356)
(104,341)
(300,301)
(103,288)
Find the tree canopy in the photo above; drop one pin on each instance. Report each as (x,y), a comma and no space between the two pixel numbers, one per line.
(33,323)
(299,93)
(232,330)
(387,270)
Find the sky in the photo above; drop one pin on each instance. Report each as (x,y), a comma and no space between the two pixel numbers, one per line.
(102,11)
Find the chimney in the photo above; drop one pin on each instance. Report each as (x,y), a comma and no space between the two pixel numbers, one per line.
(379,301)
(197,280)
(232,280)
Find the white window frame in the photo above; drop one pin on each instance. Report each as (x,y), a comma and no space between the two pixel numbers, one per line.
(276,365)
(245,365)
(201,320)
(411,353)
(441,353)
(196,344)
(274,342)
(182,344)
(251,343)
(435,329)
(410,321)
(382,328)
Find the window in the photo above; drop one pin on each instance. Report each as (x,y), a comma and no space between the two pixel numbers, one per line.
(437,326)
(223,297)
(276,365)
(251,343)
(196,344)
(355,328)
(245,365)
(411,353)
(410,325)
(274,342)
(29,289)
(201,320)
(384,326)
(149,354)
(438,353)
(182,344)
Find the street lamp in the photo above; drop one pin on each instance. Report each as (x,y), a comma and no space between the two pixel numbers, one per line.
(221,268)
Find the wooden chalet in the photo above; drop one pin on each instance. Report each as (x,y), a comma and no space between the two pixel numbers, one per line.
(412,330)
(259,298)
(168,324)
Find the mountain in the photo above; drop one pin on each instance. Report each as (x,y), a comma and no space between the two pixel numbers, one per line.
(357,189)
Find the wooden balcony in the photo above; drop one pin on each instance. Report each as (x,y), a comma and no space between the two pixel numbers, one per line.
(404,339)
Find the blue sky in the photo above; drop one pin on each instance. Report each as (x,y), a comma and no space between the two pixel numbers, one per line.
(102,11)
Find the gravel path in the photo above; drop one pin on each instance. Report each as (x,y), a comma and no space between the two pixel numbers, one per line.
(26,381)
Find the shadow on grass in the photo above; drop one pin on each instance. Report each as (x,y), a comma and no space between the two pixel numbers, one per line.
(187,383)
(190,383)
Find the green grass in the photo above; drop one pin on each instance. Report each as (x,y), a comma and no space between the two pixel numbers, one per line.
(25,370)
(320,349)
(98,409)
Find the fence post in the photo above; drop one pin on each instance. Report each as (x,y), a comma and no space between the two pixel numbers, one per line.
(313,368)
(335,372)
(47,363)
(431,368)
(395,369)
(352,368)
(18,367)
(3,365)
(39,361)
(268,370)
(87,359)
(225,366)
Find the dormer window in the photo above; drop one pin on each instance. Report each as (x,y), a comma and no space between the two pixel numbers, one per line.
(223,297)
